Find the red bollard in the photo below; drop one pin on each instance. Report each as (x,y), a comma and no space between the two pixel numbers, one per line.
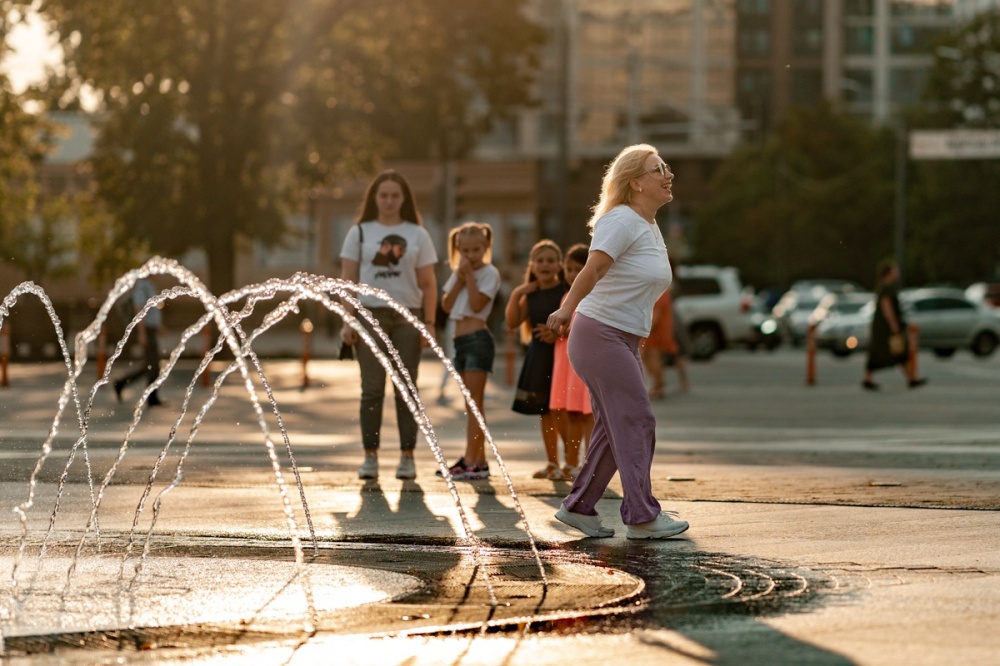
(509,354)
(913,338)
(206,376)
(307,328)
(4,355)
(102,351)
(811,355)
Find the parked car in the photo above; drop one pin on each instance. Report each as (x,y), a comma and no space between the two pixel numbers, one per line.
(946,321)
(837,304)
(714,307)
(986,292)
(795,309)
(764,329)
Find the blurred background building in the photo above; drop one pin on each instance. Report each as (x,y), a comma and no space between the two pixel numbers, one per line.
(695,78)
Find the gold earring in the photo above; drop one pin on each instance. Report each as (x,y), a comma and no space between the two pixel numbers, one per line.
(640,189)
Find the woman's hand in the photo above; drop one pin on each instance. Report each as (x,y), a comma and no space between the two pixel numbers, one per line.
(558,322)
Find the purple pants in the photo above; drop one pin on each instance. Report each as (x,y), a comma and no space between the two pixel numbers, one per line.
(624,437)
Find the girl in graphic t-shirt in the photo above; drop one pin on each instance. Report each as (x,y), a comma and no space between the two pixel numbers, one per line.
(389,248)
(468,298)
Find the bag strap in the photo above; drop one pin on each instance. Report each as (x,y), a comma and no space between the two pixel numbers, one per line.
(361,239)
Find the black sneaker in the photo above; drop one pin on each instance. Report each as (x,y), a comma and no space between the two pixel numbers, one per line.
(455,470)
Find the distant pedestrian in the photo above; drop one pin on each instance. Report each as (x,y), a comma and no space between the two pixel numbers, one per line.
(662,341)
(389,248)
(888,344)
(529,306)
(626,271)
(149,328)
(570,399)
(468,299)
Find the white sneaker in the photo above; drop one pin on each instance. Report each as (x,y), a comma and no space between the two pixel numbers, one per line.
(589,525)
(407,468)
(369,469)
(661,527)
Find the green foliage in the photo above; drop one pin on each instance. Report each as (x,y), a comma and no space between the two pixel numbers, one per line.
(36,232)
(218,113)
(954,232)
(814,201)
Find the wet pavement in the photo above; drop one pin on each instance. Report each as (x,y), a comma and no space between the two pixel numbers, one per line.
(829,526)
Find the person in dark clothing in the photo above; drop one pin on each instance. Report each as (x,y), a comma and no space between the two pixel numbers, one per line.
(888,344)
(148,328)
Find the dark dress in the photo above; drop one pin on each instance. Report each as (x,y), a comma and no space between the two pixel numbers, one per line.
(535,382)
(879,354)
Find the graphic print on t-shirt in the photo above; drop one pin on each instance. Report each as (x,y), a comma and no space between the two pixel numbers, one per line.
(390,251)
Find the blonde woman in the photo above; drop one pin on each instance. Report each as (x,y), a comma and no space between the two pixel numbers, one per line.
(626,271)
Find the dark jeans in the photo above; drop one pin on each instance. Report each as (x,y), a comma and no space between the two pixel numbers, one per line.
(406,339)
(150,367)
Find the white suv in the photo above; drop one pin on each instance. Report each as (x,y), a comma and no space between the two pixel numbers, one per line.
(714,307)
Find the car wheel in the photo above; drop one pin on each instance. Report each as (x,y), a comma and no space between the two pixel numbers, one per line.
(984,344)
(705,341)
(841,352)
(944,352)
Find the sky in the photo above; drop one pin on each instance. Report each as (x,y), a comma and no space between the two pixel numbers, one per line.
(31,53)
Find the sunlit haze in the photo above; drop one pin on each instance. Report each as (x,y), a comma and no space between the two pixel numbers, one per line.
(30,54)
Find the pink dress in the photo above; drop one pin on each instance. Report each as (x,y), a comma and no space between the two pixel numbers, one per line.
(568,390)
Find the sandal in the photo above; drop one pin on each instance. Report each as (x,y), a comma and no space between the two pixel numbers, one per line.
(550,472)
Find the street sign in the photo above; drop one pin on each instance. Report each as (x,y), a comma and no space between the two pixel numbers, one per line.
(961,144)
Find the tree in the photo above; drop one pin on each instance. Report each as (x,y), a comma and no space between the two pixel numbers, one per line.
(813,201)
(217,113)
(954,204)
(36,231)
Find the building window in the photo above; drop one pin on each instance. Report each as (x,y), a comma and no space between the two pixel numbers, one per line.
(859,40)
(857,85)
(922,8)
(759,7)
(859,8)
(914,39)
(906,85)
(755,42)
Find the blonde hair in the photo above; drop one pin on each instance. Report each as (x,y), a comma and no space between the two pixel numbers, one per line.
(469,229)
(616,189)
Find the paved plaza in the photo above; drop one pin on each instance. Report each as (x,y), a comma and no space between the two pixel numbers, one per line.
(828,525)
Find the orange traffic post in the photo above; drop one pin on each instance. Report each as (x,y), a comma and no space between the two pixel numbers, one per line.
(102,351)
(206,376)
(811,355)
(307,328)
(4,355)
(913,338)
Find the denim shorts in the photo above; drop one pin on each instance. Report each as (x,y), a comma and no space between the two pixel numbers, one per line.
(475,351)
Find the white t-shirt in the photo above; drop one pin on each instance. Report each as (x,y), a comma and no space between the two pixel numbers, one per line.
(389,258)
(488,282)
(639,274)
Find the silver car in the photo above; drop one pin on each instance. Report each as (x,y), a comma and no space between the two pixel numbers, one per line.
(946,321)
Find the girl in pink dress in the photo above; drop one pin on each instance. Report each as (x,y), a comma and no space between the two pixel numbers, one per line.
(570,399)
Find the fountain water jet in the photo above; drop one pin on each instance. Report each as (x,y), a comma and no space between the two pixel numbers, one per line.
(301,287)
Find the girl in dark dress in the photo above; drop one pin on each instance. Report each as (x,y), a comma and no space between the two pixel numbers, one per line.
(529,306)
(888,344)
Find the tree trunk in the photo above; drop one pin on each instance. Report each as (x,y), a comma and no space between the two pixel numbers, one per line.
(221,265)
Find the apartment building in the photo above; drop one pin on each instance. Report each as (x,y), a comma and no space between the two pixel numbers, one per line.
(869,56)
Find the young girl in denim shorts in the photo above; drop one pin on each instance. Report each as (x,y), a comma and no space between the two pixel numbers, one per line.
(468,299)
